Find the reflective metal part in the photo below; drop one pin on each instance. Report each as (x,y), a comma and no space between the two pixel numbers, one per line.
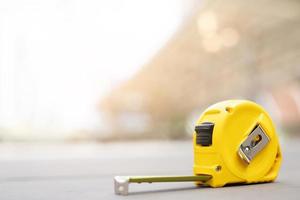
(122,182)
(121,185)
(253,144)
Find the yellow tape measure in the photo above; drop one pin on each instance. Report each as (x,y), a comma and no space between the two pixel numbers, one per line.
(234,142)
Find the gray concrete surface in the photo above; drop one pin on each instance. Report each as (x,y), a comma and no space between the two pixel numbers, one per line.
(85,172)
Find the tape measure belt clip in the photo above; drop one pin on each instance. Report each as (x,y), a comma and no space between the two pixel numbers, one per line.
(253,144)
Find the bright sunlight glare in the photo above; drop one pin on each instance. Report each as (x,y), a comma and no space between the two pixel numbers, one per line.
(58,58)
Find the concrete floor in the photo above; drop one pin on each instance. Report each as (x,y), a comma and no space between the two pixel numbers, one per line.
(86,171)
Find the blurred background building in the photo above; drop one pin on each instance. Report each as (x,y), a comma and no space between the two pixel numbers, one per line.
(107,70)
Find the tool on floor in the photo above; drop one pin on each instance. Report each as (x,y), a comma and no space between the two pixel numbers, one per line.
(235,142)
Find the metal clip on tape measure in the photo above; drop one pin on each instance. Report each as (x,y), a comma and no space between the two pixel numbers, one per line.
(234,142)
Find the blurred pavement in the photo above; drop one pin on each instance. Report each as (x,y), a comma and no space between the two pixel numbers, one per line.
(85,171)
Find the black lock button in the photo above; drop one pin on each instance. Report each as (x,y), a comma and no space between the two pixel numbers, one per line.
(204,133)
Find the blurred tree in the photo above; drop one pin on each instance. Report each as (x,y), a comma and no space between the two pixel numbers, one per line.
(229,49)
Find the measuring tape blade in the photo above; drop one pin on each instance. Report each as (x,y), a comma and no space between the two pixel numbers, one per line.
(122,182)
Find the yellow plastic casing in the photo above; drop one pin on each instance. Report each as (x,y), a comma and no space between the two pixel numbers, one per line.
(233,122)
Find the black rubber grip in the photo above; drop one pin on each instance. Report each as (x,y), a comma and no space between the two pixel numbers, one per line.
(204,133)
